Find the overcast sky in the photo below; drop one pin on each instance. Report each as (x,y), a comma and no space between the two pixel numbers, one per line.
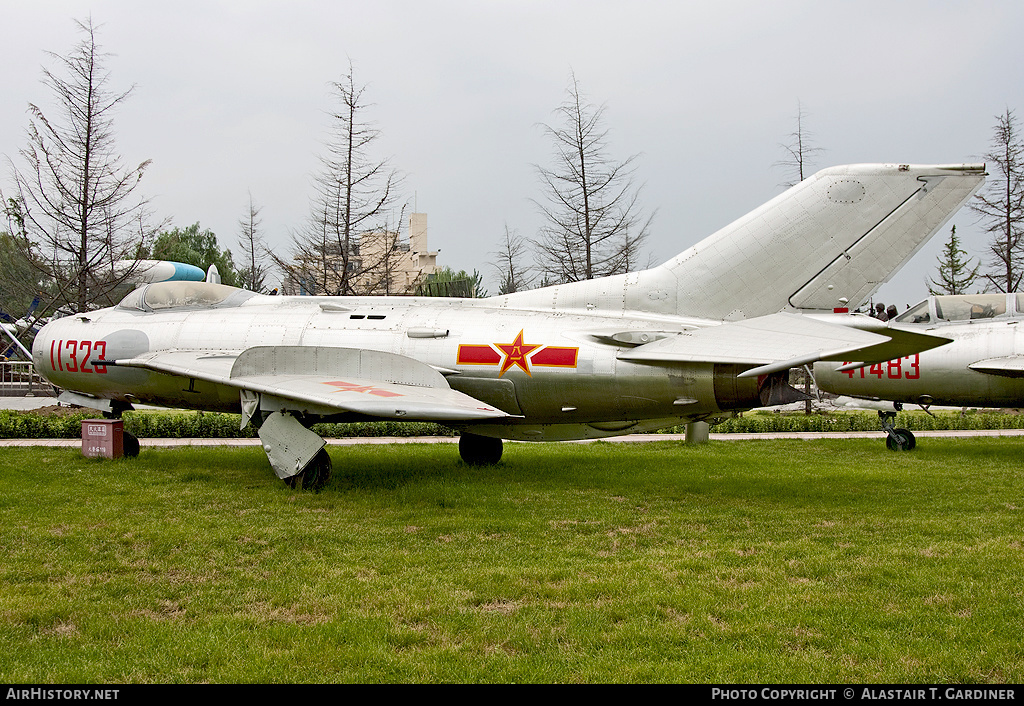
(232,98)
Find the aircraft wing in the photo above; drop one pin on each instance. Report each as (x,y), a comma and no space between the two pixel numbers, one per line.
(326,380)
(781,341)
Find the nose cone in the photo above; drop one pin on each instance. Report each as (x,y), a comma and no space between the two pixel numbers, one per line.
(41,346)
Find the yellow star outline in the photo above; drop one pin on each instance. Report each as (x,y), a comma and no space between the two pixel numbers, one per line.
(515,354)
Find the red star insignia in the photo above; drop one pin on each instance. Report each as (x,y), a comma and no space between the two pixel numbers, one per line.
(515,354)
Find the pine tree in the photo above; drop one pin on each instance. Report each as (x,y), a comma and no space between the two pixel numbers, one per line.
(955,272)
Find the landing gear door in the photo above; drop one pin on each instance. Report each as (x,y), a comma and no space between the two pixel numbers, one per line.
(289,445)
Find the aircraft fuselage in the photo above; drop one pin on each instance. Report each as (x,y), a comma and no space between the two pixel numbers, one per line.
(557,373)
(980,367)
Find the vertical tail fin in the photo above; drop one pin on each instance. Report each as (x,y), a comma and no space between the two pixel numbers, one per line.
(830,241)
(833,239)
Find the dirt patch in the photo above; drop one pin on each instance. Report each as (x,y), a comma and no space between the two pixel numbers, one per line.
(57,411)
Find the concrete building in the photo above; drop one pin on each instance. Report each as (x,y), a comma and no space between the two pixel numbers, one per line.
(381,263)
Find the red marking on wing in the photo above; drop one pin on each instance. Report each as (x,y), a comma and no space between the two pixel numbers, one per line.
(369,389)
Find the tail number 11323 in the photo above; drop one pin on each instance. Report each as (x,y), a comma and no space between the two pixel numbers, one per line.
(73,356)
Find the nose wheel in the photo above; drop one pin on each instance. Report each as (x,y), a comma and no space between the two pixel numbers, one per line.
(897,439)
(129,445)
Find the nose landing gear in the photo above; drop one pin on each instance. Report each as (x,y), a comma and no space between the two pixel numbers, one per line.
(896,439)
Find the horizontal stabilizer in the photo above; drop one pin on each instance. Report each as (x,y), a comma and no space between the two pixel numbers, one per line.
(781,341)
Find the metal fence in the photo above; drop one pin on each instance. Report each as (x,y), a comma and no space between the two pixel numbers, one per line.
(18,379)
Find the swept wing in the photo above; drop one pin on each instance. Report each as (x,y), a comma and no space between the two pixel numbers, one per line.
(327,380)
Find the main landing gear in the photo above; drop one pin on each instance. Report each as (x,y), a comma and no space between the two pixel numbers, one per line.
(896,439)
(480,450)
(315,475)
(296,454)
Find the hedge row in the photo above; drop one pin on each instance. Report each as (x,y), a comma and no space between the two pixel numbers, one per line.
(200,425)
(863,421)
(191,425)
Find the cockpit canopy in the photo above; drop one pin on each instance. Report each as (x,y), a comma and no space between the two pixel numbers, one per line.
(963,307)
(161,296)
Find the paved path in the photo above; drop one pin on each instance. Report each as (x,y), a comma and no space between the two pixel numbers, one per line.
(26,404)
(628,438)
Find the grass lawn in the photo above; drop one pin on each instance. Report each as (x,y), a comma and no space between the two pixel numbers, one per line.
(757,561)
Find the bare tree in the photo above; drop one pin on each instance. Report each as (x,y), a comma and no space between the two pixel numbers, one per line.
(253,272)
(593,224)
(508,262)
(355,194)
(77,202)
(799,150)
(1001,205)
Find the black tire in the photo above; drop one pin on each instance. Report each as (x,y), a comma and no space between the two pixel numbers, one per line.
(480,450)
(314,476)
(129,445)
(318,472)
(907,442)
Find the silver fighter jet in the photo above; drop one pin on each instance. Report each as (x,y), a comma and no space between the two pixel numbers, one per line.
(983,366)
(712,331)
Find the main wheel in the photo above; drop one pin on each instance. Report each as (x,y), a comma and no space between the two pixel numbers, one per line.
(315,475)
(906,440)
(480,450)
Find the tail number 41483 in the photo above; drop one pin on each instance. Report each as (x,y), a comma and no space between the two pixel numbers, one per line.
(906,368)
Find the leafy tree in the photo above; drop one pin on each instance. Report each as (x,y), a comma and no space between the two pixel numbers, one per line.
(77,203)
(955,272)
(20,279)
(1001,205)
(195,247)
(593,224)
(446,282)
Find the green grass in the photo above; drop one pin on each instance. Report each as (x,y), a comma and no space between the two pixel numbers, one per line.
(759,561)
